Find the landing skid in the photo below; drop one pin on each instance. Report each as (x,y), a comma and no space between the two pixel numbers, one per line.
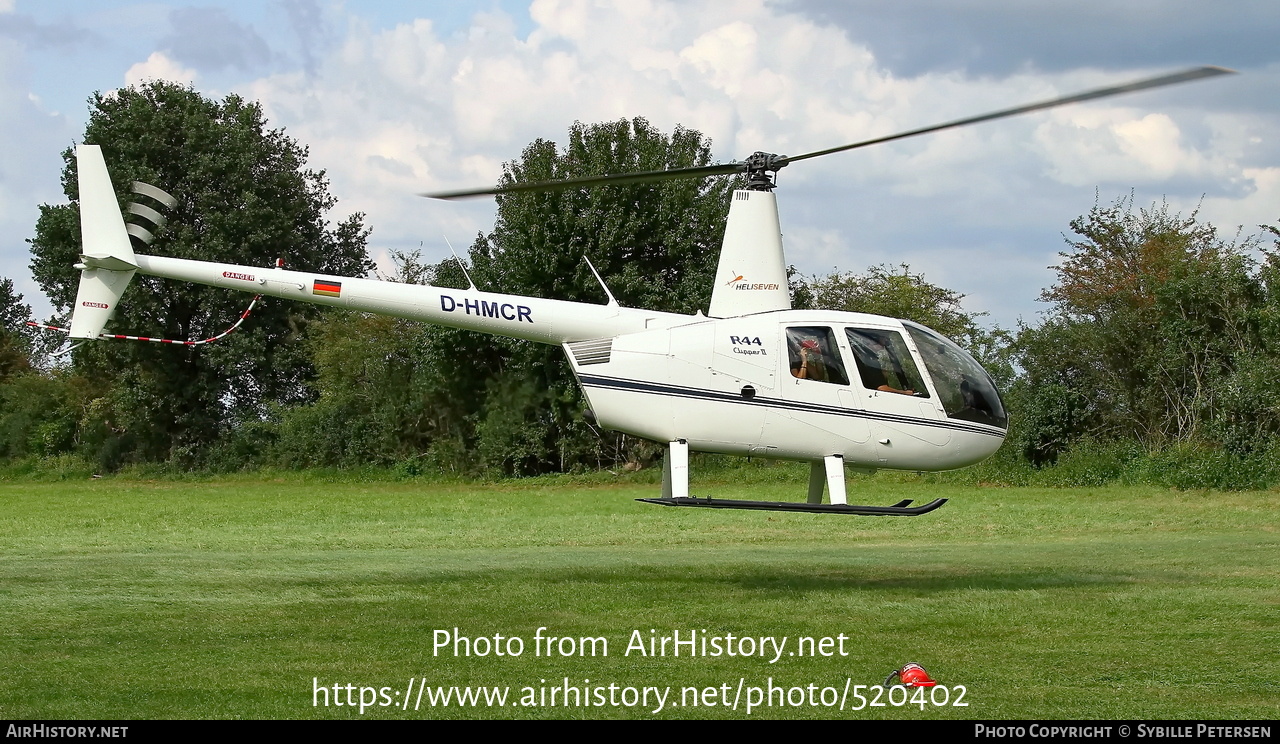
(899,509)
(825,476)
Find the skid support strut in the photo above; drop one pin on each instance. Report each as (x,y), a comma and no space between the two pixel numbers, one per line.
(828,474)
(675,471)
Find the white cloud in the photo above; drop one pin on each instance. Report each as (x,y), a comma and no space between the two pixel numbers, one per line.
(1116,145)
(404,109)
(1259,205)
(158,67)
(28,171)
(824,250)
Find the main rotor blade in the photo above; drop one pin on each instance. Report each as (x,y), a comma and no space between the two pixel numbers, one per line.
(700,171)
(1178,77)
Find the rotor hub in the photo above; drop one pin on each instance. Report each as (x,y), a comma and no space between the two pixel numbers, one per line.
(758,167)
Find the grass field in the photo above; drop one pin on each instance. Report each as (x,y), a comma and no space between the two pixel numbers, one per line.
(227,598)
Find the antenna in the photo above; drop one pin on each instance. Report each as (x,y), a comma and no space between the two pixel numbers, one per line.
(459,260)
(605,287)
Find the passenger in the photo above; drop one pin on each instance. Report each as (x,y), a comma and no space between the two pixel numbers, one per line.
(810,365)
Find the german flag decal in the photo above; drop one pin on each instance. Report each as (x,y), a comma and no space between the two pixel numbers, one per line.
(326,288)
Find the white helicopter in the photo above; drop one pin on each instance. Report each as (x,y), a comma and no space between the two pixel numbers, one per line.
(752,377)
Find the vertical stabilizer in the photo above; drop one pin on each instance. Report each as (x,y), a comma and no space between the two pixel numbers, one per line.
(107,262)
(752,276)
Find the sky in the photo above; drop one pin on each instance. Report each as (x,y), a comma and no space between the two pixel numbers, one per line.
(397,98)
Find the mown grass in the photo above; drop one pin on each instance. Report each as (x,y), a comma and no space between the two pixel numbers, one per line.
(225,597)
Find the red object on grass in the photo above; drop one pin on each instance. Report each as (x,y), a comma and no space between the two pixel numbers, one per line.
(914,675)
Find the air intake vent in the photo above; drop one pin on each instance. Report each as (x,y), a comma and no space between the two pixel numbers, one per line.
(591,352)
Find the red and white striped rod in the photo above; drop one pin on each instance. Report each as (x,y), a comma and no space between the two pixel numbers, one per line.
(243,315)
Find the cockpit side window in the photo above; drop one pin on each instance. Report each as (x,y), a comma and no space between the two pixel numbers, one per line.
(813,355)
(884,362)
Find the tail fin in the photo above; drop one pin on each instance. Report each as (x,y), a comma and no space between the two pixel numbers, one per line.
(107,262)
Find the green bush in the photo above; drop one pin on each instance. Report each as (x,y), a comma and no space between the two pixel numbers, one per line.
(1089,462)
(37,416)
(1197,466)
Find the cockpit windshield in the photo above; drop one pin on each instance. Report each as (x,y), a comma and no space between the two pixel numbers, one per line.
(967,392)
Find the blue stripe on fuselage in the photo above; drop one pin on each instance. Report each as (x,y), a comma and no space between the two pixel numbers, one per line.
(651,388)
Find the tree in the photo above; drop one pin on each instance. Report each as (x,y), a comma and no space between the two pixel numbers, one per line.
(656,243)
(15,341)
(387,389)
(900,293)
(1152,315)
(896,293)
(1249,409)
(244,196)
(656,246)
(38,410)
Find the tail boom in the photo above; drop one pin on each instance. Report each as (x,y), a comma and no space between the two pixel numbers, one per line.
(534,319)
(108,263)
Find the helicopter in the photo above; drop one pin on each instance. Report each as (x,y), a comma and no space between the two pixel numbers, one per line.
(750,377)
